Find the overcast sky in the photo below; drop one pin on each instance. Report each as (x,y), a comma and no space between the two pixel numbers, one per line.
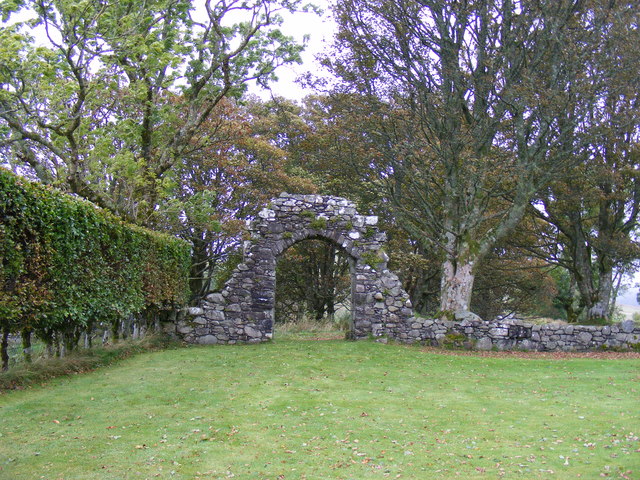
(320,30)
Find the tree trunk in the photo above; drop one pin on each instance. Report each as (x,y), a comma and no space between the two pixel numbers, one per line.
(598,310)
(88,332)
(57,345)
(614,293)
(26,344)
(456,286)
(47,337)
(4,349)
(69,342)
(115,330)
(573,307)
(200,275)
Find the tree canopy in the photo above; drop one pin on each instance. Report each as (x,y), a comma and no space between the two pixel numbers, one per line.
(477,106)
(111,95)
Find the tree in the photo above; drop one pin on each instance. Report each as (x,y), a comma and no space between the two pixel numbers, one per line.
(594,210)
(119,91)
(471,105)
(313,274)
(231,171)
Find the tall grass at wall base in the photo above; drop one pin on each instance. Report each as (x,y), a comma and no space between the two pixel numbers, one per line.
(24,375)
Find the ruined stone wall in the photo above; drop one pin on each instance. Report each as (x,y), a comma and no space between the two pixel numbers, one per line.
(520,335)
(244,310)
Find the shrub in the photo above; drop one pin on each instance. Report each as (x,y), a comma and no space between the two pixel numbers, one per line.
(66,264)
(456,341)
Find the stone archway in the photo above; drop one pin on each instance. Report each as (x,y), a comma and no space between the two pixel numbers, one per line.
(244,310)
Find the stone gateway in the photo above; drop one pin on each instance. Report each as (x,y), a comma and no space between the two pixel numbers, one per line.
(244,310)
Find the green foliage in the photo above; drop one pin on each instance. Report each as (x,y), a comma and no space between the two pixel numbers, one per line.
(369,233)
(371,258)
(319,223)
(455,341)
(115,95)
(312,281)
(66,263)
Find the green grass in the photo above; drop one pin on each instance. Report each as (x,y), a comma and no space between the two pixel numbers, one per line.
(325,410)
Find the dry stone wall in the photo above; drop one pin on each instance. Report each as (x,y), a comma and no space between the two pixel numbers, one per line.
(520,335)
(244,310)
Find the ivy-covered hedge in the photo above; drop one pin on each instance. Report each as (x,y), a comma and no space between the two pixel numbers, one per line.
(66,265)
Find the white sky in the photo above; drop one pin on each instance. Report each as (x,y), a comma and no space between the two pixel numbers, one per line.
(320,30)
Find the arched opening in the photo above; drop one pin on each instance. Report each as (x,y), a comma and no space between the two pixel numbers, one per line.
(313,290)
(244,311)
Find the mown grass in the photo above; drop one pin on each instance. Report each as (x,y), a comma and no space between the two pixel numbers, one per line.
(325,410)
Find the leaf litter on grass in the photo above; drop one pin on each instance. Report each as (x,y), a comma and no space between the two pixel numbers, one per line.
(329,410)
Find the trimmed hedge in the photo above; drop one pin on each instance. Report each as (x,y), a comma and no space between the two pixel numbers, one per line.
(66,264)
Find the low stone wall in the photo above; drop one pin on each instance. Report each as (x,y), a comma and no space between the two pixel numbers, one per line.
(520,335)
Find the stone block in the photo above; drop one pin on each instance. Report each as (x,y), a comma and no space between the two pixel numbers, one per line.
(267,213)
(466,315)
(584,337)
(628,326)
(484,343)
(215,298)
(622,337)
(207,340)
(252,332)
(526,345)
(499,332)
(184,328)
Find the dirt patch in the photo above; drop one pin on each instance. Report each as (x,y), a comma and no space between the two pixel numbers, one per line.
(536,355)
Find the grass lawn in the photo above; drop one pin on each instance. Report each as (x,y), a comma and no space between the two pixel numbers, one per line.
(297,409)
